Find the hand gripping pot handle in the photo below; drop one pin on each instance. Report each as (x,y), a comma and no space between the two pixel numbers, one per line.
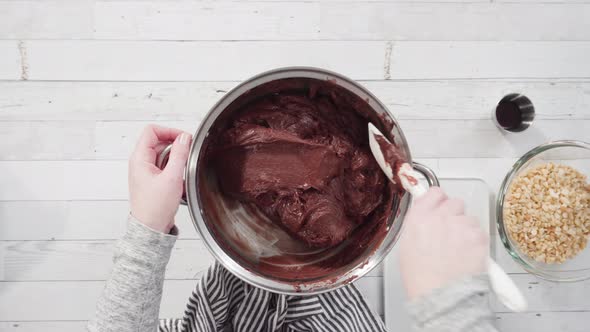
(504,287)
(161,162)
(431,178)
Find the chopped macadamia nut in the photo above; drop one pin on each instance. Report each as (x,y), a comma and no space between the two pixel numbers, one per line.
(547,212)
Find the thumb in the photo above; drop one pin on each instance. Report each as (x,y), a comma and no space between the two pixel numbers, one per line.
(178,156)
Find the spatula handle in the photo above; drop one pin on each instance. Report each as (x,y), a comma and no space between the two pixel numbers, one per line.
(505,288)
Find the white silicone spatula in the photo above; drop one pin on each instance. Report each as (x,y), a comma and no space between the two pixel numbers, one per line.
(502,285)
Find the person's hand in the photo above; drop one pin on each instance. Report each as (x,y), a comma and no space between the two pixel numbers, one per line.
(155,194)
(440,244)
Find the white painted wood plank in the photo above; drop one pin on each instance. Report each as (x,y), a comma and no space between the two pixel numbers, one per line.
(58,180)
(45,140)
(199,61)
(89,260)
(72,140)
(189,20)
(409,1)
(473,99)
(400,1)
(445,21)
(418,60)
(194,20)
(45,326)
(506,322)
(536,1)
(549,296)
(10,61)
(482,139)
(77,300)
(72,101)
(544,322)
(190,101)
(74,220)
(46,19)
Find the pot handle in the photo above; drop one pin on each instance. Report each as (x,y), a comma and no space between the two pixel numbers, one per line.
(431,178)
(161,162)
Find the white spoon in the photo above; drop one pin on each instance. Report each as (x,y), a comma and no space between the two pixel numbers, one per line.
(502,285)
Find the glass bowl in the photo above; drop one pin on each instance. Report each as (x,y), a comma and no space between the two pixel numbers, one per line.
(575,154)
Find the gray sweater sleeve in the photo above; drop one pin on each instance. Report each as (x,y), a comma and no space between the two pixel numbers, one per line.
(131,297)
(460,307)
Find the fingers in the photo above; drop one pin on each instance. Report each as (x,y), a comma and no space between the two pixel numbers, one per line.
(178,156)
(432,199)
(160,147)
(149,139)
(451,207)
(476,232)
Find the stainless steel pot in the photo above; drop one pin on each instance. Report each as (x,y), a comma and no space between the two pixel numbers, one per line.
(201,192)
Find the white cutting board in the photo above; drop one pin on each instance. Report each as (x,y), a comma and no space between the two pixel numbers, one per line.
(478,203)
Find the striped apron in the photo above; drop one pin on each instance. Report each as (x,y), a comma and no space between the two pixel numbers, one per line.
(223,302)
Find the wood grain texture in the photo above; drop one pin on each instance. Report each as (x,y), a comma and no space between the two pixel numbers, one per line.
(544,295)
(89,260)
(46,19)
(45,326)
(485,21)
(543,321)
(73,220)
(304,20)
(189,101)
(75,300)
(70,140)
(196,61)
(189,20)
(203,61)
(10,61)
(455,138)
(60,301)
(59,180)
(73,101)
(468,59)
(506,322)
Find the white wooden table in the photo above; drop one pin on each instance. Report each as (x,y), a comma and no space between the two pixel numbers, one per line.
(79,79)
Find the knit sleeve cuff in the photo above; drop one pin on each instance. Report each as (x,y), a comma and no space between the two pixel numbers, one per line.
(143,243)
(469,292)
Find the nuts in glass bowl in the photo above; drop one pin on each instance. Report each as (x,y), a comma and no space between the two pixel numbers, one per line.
(547,212)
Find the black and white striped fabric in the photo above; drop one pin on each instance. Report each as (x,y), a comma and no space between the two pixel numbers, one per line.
(223,302)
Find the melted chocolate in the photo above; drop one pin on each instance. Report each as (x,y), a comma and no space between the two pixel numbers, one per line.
(304,160)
